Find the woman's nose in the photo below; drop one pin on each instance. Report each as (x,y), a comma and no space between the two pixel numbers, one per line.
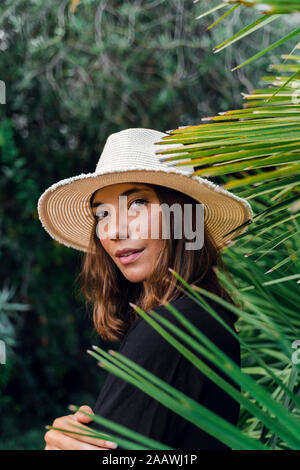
(120,229)
(117,226)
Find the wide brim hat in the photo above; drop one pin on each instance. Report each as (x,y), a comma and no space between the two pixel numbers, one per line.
(132,156)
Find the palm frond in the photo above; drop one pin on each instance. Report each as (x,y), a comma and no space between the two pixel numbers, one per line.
(272,10)
(256,147)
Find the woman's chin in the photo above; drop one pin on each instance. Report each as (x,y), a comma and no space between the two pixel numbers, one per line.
(135,275)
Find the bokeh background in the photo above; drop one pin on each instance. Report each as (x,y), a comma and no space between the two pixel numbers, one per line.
(76,72)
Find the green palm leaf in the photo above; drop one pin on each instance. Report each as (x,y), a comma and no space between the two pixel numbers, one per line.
(257,147)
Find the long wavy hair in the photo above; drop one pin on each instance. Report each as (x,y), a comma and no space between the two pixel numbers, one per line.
(108,292)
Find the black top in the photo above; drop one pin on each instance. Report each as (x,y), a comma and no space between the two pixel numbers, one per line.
(125,404)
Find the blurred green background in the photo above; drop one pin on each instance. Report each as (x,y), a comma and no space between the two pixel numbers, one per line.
(72,78)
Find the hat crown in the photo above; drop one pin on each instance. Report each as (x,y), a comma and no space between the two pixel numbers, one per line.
(136,148)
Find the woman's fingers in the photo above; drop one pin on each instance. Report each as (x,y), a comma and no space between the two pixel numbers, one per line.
(84,418)
(59,441)
(67,423)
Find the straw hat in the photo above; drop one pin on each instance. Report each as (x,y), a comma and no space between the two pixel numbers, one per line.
(130,156)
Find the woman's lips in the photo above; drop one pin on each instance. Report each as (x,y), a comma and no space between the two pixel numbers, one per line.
(130,258)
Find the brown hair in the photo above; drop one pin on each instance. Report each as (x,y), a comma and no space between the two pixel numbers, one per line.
(109,292)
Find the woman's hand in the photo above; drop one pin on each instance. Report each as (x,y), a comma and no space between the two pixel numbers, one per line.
(59,440)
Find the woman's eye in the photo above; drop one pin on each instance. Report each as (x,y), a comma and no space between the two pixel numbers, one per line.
(139,200)
(100,215)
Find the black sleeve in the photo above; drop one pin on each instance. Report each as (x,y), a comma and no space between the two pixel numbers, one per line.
(125,404)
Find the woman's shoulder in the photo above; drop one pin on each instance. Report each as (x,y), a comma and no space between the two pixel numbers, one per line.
(141,331)
(201,317)
(193,310)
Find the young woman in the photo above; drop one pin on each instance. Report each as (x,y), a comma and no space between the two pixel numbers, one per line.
(124,263)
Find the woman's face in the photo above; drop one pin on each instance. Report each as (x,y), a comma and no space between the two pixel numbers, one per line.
(129,218)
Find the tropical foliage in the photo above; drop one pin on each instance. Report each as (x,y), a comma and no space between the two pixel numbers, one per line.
(52,60)
(71,80)
(257,148)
